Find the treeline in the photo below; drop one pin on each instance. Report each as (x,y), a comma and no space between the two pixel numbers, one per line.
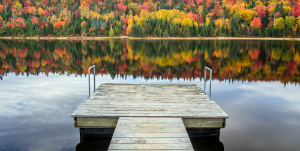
(140,18)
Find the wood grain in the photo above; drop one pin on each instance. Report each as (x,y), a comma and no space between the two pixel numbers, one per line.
(140,133)
(149,100)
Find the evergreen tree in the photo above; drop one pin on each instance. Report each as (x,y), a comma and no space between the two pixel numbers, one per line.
(3,31)
(203,31)
(149,30)
(186,32)
(234,32)
(166,34)
(140,31)
(276,9)
(265,20)
(197,34)
(134,29)
(218,33)
(266,33)
(281,10)
(210,30)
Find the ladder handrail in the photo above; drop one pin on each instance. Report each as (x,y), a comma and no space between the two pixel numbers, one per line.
(90,80)
(209,80)
(1,76)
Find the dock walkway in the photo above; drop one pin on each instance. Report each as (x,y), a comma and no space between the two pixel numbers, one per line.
(149,116)
(150,133)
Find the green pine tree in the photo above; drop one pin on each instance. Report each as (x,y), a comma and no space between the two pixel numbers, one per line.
(166,34)
(281,10)
(203,31)
(210,30)
(218,33)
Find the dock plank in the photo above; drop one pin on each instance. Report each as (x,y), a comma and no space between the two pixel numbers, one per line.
(135,133)
(150,100)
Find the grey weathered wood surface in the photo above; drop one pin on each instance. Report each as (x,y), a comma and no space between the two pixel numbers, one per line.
(152,133)
(149,100)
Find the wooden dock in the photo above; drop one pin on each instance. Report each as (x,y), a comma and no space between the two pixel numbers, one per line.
(150,133)
(149,116)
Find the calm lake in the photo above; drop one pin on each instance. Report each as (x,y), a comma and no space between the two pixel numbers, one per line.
(254,82)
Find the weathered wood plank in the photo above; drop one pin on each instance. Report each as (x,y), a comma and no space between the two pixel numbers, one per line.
(150,135)
(150,140)
(154,100)
(180,146)
(87,122)
(170,135)
(140,110)
(191,115)
(183,113)
(96,122)
(204,123)
(144,150)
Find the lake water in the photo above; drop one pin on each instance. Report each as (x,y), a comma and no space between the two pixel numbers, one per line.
(254,82)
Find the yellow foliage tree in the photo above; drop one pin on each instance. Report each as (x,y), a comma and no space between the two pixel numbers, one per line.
(207,21)
(219,22)
(227,24)
(247,15)
(298,20)
(84,10)
(279,23)
(176,21)
(143,17)
(187,22)
(286,10)
(40,11)
(200,10)
(32,10)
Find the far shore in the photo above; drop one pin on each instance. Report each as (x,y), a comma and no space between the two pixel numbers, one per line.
(149,38)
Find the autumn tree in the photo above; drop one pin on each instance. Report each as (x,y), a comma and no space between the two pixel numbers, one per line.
(279,25)
(256,25)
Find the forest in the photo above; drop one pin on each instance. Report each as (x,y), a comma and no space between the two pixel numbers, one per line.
(150,18)
(230,60)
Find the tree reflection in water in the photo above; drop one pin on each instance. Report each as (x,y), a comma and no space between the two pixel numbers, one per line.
(230,59)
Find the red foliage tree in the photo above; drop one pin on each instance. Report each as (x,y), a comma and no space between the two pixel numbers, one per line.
(41,24)
(215,13)
(34,20)
(122,7)
(143,7)
(295,10)
(256,23)
(24,26)
(199,2)
(254,54)
(261,13)
(77,13)
(102,30)
(46,13)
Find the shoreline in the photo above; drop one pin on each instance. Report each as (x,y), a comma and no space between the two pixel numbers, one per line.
(146,38)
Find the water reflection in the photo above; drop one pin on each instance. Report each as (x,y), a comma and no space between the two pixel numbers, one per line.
(208,143)
(94,144)
(99,139)
(35,110)
(230,60)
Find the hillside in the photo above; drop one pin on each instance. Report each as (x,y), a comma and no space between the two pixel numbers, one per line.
(150,18)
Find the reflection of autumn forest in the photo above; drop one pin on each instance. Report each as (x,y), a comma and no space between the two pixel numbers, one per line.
(233,60)
(159,18)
